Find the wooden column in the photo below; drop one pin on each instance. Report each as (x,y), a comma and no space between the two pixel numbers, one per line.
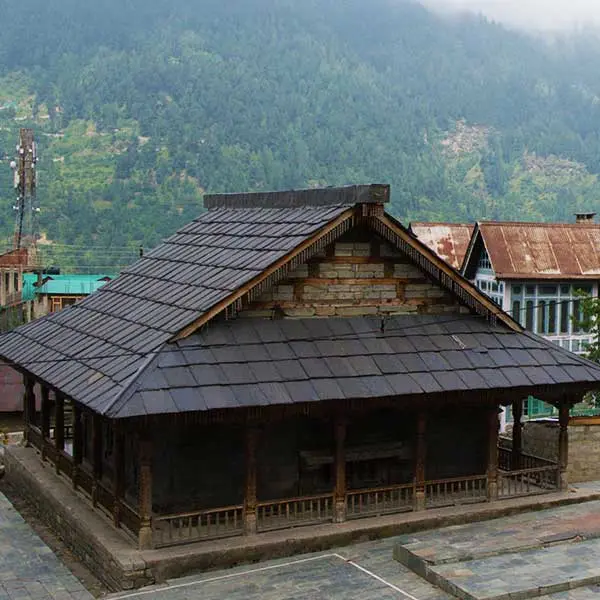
(420,460)
(492,470)
(250,519)
(96,455)
(45,419)
(339,463)
(59,429)
(28,407)
(77,443)
(517,443)
(119,470)
(145,494)
(563,443)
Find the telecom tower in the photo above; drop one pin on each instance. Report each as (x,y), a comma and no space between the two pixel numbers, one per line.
(26,207)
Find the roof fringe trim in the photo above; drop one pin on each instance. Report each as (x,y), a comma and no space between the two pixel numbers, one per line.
(276,272)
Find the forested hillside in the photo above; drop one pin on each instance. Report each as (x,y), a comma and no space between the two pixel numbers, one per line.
(140,106)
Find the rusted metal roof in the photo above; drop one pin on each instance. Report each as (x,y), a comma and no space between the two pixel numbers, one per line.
(448,240)
(541,250)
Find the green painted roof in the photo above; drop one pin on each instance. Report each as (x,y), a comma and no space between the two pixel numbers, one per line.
(76,285)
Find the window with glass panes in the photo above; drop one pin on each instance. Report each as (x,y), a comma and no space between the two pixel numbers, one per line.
(547,308)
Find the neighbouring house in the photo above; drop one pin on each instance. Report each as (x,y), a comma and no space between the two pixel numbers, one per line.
(286,359)
(536,271)
(448,240)
(50,293)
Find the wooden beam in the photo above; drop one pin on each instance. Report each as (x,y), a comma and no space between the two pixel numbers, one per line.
(145,538)
(59,428)
(28,406)
(340,469)
(77,443)
(492,458)
(563,443)
(346,216)
(45,419)
(441,266)
(517,442)
(119,470)
(96,454)
(420,460)
(250,495)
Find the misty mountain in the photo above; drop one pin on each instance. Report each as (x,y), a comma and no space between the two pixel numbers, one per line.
(140,107)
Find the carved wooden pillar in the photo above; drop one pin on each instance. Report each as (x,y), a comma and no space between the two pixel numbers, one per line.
(492,470)
(96,455)
(420,460)
(563,444)
(45,418)
(339,463)
(59,429)
(517,443)
(28,406)
(145,494)
(77,443)
(119,470)
(250,500)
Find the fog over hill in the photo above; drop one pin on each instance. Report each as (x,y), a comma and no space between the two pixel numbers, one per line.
(140,107)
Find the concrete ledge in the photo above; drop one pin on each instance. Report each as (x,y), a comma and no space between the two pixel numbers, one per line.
(113,557)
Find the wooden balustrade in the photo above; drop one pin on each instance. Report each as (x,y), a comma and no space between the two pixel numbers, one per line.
(504,458)
(293,512)
(105,498)
(527,482)
(169,530)
(34,437)
(130,518)
(379,501)
(64,463)
(458,490)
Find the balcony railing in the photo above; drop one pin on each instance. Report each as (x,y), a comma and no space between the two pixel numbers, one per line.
(527,482)
(189,527)
(293,512)
(457,490)
(379,501)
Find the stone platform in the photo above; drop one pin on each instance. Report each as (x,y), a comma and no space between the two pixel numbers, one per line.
(518,557)
(115,559)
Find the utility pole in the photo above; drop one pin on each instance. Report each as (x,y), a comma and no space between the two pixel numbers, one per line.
(25,185)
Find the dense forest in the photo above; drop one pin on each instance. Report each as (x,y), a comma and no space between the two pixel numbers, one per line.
(141,106)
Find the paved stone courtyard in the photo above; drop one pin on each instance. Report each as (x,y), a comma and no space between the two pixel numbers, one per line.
(29,570)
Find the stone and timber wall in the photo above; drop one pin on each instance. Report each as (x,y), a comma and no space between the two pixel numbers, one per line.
(355,278)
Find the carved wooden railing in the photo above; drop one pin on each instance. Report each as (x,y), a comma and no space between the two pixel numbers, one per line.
(64,463)
(129,518)
(169,530)
(105,497)
(379,501)
(526,461)
(458,490)
(34,437)
(526,482)
(292,512)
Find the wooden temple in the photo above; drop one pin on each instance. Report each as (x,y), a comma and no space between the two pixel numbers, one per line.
(287,359)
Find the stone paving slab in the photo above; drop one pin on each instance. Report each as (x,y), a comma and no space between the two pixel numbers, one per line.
(29,570)
(508,534)
(522,575)
(583,593)
(363,571)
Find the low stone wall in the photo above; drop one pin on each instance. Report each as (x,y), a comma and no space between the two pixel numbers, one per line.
(540,438)
(103,549)
(584,449)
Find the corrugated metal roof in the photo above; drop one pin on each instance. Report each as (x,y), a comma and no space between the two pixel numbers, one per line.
(448,240)
(76,285)
(289,361)
(543,250)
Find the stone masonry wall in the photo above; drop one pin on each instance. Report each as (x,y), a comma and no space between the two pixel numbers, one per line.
(540,438)
(355,278)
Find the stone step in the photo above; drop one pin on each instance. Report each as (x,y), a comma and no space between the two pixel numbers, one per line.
(521,575)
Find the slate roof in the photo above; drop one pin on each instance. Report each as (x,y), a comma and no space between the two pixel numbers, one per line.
(538,250)
(90,351)
(448,240)
(258,363)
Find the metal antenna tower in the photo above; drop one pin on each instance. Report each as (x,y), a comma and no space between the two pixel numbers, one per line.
(27,209)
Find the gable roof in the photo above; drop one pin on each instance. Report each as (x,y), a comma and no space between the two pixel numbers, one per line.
(448,240)
(96,351)
(537,250)
(244,363)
